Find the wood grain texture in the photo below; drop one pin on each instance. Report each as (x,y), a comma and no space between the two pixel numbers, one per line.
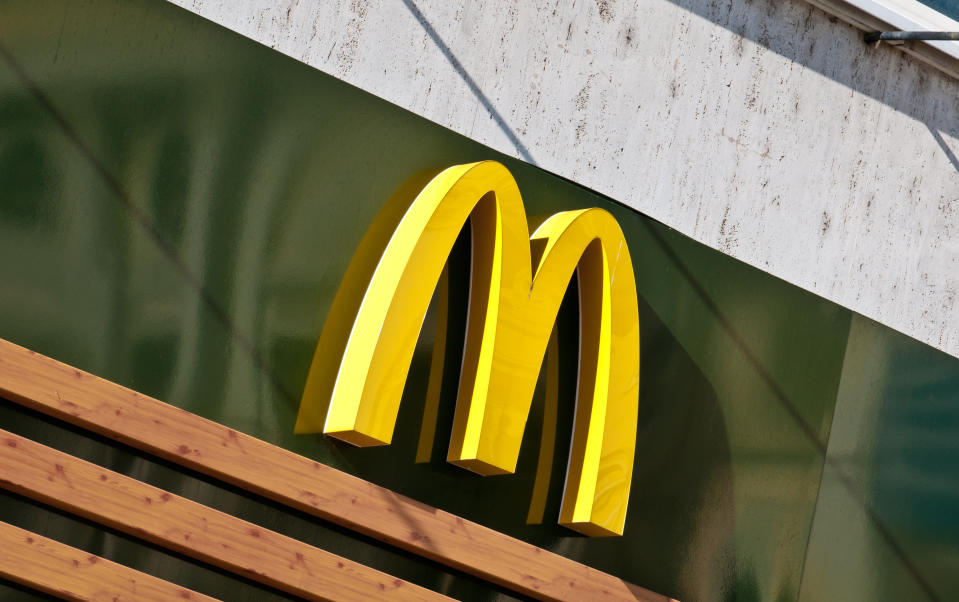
(134,507)
(88,401)
(72,574)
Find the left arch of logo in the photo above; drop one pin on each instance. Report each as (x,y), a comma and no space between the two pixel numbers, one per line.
(517,282)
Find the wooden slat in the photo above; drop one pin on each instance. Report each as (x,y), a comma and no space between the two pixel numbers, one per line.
(145,511)
(72,574)
(88,401)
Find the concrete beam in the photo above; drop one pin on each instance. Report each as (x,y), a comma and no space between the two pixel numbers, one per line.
(766,129)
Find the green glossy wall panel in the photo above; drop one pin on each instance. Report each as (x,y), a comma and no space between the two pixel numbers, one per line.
(887,521)
(177,207)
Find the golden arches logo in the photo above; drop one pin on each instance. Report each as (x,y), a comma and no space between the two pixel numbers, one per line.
(517,282)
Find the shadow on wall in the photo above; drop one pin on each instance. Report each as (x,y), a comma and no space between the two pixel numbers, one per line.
(681,527)
(808,36)
(469,81)
(799,32)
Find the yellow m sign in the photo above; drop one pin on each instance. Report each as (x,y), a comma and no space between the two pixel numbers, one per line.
(517,282)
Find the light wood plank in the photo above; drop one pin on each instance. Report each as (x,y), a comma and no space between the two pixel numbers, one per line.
(65,572)
(91,402)
(134,507)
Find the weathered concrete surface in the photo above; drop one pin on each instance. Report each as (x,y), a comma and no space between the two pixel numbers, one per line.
(763,128)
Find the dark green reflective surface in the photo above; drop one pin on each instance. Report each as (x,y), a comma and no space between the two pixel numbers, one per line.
(178,205)
(887,521)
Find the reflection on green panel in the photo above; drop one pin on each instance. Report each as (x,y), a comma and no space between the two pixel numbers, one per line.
(178,206)
(887,521)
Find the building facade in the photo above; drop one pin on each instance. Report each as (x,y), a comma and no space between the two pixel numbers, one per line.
(183,190)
